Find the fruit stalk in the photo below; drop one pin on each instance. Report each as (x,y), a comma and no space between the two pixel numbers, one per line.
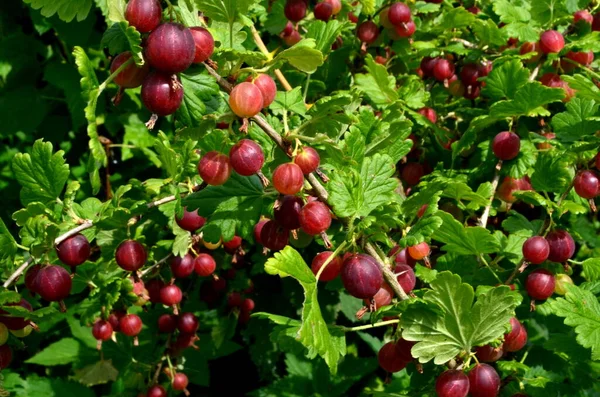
(265,51)
(486,211)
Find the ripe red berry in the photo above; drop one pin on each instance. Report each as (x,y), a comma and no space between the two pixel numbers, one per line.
(5,356)
(246,99)
(130,325)
(190,220)
(443,69)
(170,48)
(489,354)
(389,360)
(596,22)
(332,270)
(419,251)
(452,383)
(361,276)
(247,305)
(586,184)
(205,265)
(367,32)
(287,214)
(516,339)
(323,11)
(156,391)
(412,173)
(30,276)
(102,330)
(130,77)
(509,186)
(506,145)
(469,74)
(187,323)
(553,80)
(540,284)
(74,250)
(258,229)
(583,15)
(382,298)
(246,157)
(551,41)
(308,160)
(597,162)
(153,287)
(562,246)
(292,38)
(528,47)
(406,29)
(273,236)
(288,178)
(204,44)
(180,381)
(335,4)
(144,15)
(115,318)
(167,323)
(162,93)
(399,13)
(232,245)
(182,267)
(267,88)
(429,113)
(295,10)
(403,258)
(53,283)
(131,255)
(170,295)
(315,218)
(214,168)
(15,323)
(583,58)
(483,381)
(536,250)
(406,277)
(427,64)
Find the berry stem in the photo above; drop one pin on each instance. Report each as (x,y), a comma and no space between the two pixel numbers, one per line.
(486,211)
(112,76)
(388,274)
(368,326)
(261,46)
(331,257)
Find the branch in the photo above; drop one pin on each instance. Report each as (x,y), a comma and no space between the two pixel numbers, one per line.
(85,225)
(486,212)
(265,51)
(18,272)
(320,191)
(156,265)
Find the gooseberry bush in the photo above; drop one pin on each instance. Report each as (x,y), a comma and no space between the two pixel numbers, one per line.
(292,197)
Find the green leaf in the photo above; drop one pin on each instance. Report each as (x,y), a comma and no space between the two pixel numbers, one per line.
(545,12)
(585,88)
(551,174)
(325,33)
(64,351)
(581,310)
(290,101)
(455,18)
(89,86)
(121,37)
(188,11)
(200,96)
(302,55)
(168,157)
(223,10)
(464,240)
(42,174)
(8,245)
(116,10)
(488,32)
(578,121)
(66,9)
(234,207)
(377,84)
(591,269)
(424,228)
(504,80)
(458,325)
(313,332)
(357,196)
(97,374)
(529,99)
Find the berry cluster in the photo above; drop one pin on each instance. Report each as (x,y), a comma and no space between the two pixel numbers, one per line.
(295,11)
(169,48)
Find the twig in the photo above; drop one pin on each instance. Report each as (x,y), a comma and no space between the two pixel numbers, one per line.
(261,46)
(85,225)
(486,212)
(157,264)
(367,326)
(389,276)
(535,71)
(18,272)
